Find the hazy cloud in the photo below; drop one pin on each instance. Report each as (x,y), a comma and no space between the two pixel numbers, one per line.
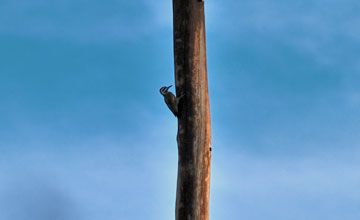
(93,179)
(81,21)
(315,186)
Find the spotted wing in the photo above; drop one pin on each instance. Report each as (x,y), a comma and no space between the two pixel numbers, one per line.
(170,100)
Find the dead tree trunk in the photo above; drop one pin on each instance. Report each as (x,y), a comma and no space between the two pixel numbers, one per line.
(194,132)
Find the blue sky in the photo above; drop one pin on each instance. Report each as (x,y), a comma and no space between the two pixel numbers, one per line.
(85,135)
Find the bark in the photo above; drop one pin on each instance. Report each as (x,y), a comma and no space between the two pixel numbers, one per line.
(194,132)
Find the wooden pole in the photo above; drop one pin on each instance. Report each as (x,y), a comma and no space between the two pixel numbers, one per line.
(194,132)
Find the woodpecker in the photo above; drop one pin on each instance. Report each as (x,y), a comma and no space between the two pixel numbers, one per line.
(170,99)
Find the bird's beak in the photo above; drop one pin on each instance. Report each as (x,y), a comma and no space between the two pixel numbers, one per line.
(169,87)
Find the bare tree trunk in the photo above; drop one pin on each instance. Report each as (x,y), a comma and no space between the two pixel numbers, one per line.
(194,132)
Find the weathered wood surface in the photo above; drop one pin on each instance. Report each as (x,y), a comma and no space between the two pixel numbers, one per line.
(194,132)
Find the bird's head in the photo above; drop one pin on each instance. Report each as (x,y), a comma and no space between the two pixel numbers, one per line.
(164,89)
